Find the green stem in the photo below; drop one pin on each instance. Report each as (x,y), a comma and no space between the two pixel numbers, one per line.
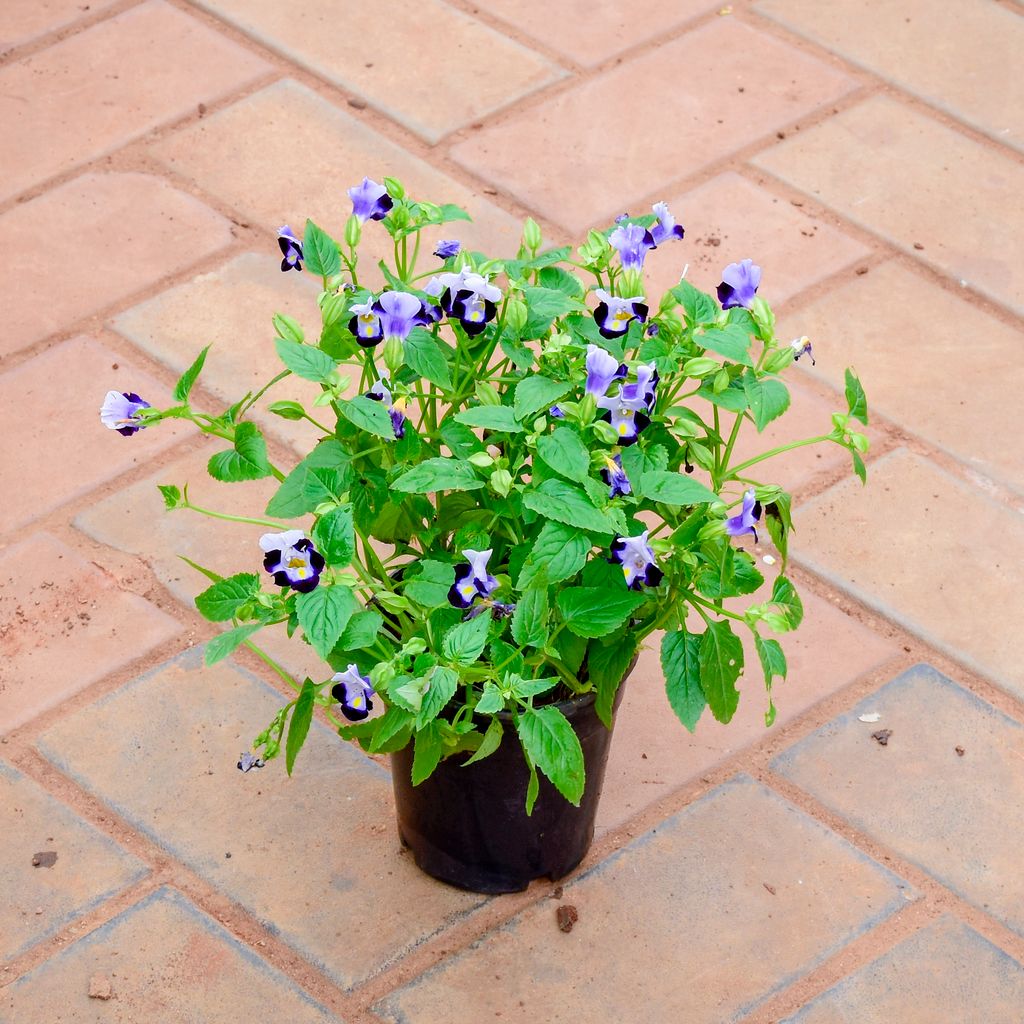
(779,451)
(235,519)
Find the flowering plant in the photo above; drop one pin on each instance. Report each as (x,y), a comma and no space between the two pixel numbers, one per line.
(532,467)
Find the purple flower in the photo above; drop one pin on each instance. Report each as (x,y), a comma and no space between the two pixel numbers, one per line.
(635,556)
(666,227)
(750,513)
(556,412)
(447,249)
(615,477)
(365,324)
(292,560)
(644,389)
(380,392)
(653,330)
(247,761)
(632,242)
(802,347)
(739,284)
(626,412)
(370,201)
(472,580)
(120,412)
(469,298)
(602,369)
(399,313)
(291,249)
(353,692)
(614,315)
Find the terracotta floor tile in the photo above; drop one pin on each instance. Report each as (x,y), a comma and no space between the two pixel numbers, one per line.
(21,21)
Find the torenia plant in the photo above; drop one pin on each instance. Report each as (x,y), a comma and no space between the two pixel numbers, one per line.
(527,467)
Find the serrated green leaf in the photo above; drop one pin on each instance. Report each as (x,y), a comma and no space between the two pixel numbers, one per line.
(680,665)
(673,488)
(543,306)
(555,499)
(305,361)
(784,595)
(222,601)
(465,642)
(607,665)
(565,453)
(490,417)
(246,461)
(171,495)
(334,536)
(368,415)
(529,621)
(424,355)
(489,744)
(391,731)
(323,614)
(430,586)
(438,474)
(226,643)
(427,750)
(536,393)
(730,341)
(298,727)
(491,700)
(559,552)
(596,611)
(856,400)
(460,439)
(772,657)
(768,398)
(440,689)
(698,307)
(858,466)
(554,748)
(361,631)
(721,661)
(532,790)
(186,381)
(563,281)
(320,251)
(323,475)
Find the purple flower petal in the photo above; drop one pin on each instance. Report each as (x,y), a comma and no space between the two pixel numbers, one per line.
(448,248)
(632,242)
(291,560)
(666,228)
(291,249)
(370,201)
(635,556)
(120,412)
(743,522)
(353,692)
(739,285)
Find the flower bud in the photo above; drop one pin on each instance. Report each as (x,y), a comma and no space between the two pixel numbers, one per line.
(501,482)
(606,432)
(700,366)
(288,328)
(353,231)
(394,355)
(516,314)
(395,188)
(399,216)
(272,749)
(700,454)
(588,409)
(711,529)
(779,359)
(860,442)
(532,237)
(721,381)
(413,647)
(486,394)
(763,317)
(482,460)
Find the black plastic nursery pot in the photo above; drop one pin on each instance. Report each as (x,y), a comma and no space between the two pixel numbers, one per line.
(468,826)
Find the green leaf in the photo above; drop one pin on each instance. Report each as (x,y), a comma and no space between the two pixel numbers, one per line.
(323,475)
(768,398)
(490,417)
(246,461)
(733,398)
(320,251)
(555,499)
(606,666)
(521,356)
(858,466)
(287,409)
(554,748)
(773,659)
(784,595)
(680,665)
(596,611)
(361,631)
(424,355)
(450,212)
(430,586)
(305,361)
(673,488)
(465,642)
(323,614)
(188,378)
(491,701)
(392,730)
(334,536)
(544,304)
(222,601)
(559,552)
(536,393)
(171,495)
(224,644)
(529,621)
(730,341)
(427,752)
(460,439)
(856,400)
(532,791)
(368,415)
(563,281)
(438,474)
(490,743)
(565,453)
(636,460)
(298,727)
(721,661)
(441,688)
(699,307)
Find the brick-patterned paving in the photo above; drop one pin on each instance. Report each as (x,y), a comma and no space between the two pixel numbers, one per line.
(866,153)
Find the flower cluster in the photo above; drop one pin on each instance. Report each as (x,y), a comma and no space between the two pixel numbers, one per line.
(529,467)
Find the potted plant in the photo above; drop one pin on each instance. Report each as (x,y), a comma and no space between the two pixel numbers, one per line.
(531,467)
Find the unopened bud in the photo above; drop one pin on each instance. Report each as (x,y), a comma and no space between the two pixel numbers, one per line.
(721,381)
(501,482)
(288,328)
(395,188)
(778,359)
(486,394)
(399,216)
(482,460)
(394,355)
(532,237)
(764,317)
(516,315)
(606,432)
(588,409)
(700,366)
(353,231)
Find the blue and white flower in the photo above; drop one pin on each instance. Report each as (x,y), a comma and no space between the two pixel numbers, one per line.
(292,560)
(635,556)
(614,315)
(353,692)
(802,347)
(399,313)
(472,580)
(627,414)
(739,285)
(743,522)
(291,249)
(467,297)
(602,370)
(644,389)
(120,412)
(370,201)
(365,324)
(615,477)
(380,392)
(247,761)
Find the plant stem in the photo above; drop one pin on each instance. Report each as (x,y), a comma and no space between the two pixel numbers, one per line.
(235,519)
(779,451)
